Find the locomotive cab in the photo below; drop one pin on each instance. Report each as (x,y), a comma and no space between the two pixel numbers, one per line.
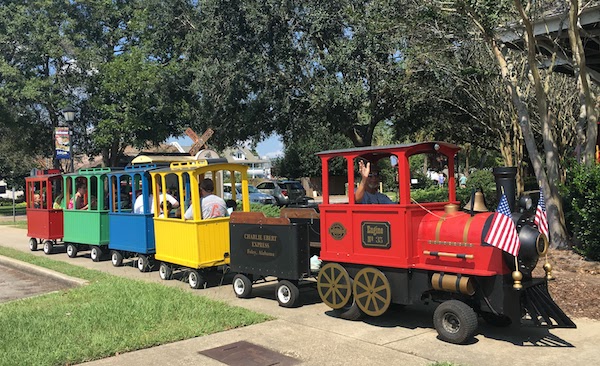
(409,251)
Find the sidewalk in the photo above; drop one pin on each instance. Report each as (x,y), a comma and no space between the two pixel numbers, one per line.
(313,336)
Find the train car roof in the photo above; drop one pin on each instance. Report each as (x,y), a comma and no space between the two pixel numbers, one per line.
(166,158)
(208,164)
(91,171)
(377,152)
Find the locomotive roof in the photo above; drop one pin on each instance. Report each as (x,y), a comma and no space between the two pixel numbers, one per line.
(382,151)
(166,158)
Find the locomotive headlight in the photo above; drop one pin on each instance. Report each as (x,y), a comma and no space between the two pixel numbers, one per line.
(525,203)
(533,245)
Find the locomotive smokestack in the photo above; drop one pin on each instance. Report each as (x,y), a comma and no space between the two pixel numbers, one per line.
(505,179)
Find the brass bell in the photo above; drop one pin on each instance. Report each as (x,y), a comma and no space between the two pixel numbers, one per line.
(479,205)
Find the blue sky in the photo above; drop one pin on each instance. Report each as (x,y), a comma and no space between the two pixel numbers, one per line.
(269,148)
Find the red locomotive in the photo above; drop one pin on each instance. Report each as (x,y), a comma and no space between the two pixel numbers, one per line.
(409,252)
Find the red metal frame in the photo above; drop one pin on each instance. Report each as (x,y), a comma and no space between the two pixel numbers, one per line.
(413,234)
(43,222)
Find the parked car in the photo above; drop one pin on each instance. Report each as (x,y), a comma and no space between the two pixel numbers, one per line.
(256,196)
(284,191)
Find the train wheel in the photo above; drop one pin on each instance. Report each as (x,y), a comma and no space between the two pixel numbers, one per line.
(455,321)
(242,286)
(33,244)
(372,292)
(96,253)
(287,294)
(334,285)
(116,258)
(165,272)
(351,311)
(196,280)
(142,263)
(72,250)
(48,247)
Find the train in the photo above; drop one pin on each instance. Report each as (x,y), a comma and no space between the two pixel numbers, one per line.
(361,258)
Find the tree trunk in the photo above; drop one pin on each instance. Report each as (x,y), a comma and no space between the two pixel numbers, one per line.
(588,109)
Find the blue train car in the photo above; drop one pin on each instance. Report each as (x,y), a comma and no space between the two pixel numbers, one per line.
(130,216)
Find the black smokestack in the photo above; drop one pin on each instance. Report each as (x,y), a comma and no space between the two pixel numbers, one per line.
(505,179)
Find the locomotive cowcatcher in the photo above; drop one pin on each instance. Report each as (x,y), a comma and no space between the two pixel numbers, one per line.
(415,252)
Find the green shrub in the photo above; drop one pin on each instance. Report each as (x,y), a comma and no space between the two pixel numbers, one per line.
(581,194)
(484,180)
(268,210)
(431,194)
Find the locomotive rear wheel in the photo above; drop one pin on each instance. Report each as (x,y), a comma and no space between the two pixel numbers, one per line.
(455,321)
(48,247)
(287,293)
(71,250)
(116,258)
(242,286)
(33,244)
(334,285)
(372,292)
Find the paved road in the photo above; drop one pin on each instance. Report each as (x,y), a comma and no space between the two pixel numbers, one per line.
(17,284)
(313,335)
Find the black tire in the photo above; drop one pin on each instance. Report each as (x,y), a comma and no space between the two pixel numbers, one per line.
(287,294)
(72,250)
(455,321)
(33,244)
(500,321)
(116,258)
(143,263)
(196,280)
(351,311)
(242,286)
(165,272)
(96,253)
(48,247)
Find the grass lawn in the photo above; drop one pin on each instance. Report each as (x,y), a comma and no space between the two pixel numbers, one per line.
(21,224)
(8,210)
(110,315)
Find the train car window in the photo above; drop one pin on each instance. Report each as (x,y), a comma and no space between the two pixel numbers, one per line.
(124,193)
(68,192)
(93,191)
(57,193)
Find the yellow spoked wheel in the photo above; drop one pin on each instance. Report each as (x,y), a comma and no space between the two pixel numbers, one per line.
(372,291)
(334,285)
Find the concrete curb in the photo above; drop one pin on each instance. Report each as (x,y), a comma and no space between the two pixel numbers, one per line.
(31,268)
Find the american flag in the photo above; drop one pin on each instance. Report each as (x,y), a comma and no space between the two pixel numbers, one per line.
(541,219)
(503,233)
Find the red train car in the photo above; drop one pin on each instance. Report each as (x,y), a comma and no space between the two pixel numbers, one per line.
(44,211)
(412,252)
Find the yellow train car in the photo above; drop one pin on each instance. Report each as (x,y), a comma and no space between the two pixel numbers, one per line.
(187,237)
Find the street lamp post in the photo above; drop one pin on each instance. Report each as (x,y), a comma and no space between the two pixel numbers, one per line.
(69,114)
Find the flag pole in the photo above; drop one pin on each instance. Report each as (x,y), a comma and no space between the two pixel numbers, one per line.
(547,266)
(517,276)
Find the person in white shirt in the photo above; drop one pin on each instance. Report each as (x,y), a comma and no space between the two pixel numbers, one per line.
(138,206)
(212,206)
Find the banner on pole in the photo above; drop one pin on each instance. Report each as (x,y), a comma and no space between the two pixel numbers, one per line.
(63,142)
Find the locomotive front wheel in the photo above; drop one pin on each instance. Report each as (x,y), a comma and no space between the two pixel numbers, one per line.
(143,263)
(455,321)
(33,244)
(196,280)
(116,258)
(287,294)
(165,272)
(48,247)
(242,286)
(334,285)
(372,292)
(72,250)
